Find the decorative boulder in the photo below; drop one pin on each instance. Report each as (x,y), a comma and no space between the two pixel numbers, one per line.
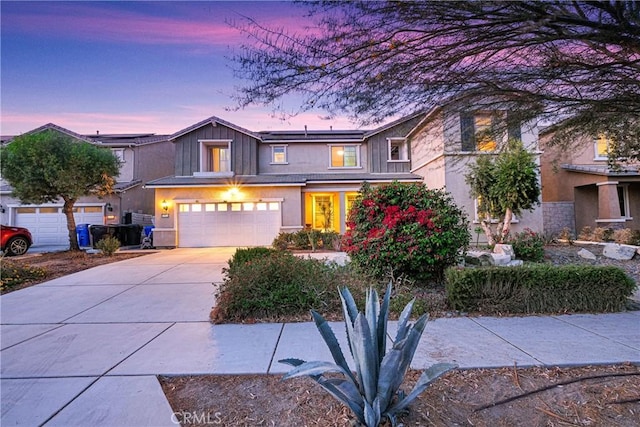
(619,252)
(478,258)
(503,249)
(501,259)
(585,254)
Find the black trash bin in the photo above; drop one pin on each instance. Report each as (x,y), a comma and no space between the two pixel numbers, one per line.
(130,234)
(99,232)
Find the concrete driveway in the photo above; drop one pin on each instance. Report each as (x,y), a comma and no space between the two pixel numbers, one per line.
(85,349)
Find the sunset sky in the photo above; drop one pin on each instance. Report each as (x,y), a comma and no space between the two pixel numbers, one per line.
(128,67)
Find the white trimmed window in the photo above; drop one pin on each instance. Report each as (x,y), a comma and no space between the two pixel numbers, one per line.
(345,156)
(398,150)
(623,200)
(601,148)
(279,155)
(215,158)
(119,153)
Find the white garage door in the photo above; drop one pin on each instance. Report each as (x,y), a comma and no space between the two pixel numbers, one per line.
(228,224)
(48,225)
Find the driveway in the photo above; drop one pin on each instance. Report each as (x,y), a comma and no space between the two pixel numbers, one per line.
(85,349)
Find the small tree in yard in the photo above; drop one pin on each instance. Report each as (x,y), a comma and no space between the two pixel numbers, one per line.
(504,186)
(49,166)
(405,229)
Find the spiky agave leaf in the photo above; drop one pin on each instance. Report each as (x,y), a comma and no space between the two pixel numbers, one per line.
(403,321)
(346,392)
(313,368)
(428,376)
(382,323)
(365,358)
(332,342)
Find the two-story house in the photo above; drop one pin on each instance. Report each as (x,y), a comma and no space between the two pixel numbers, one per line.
(235,187)
(143,157)
(446,142)
(580,189)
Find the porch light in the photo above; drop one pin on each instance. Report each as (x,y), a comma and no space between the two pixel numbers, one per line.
(165,206)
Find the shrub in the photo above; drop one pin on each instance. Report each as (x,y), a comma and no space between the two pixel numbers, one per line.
(307,239)
(528,245)
(405,228)
(15,275)
(601,234)
(626,236)
(373,392)
(244,255)
(280,284)
(566,234)
(108,245)
(586,233)
(539,289)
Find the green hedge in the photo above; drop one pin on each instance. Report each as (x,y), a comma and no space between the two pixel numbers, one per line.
(538,289)
(272,284)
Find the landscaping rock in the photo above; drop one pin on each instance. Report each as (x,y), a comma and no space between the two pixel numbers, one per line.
(479,258)
(585,254)
(516,263)
(619,252)
(500,259)
(503,249)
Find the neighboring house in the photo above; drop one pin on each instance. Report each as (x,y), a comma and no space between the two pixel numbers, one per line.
(445,143)
(143,157)
(579,189)
(235,187)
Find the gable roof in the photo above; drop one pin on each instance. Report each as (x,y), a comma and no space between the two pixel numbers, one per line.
(325,136)
(214,121)
(394,123)
(52,126)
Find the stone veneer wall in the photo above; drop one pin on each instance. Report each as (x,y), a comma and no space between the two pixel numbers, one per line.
(558,215)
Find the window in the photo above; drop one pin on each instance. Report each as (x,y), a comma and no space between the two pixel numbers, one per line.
(602,147)
(482,131)
(623,200)
(398,150)
(279,154)
(119,153)
(345,156)
(215,158)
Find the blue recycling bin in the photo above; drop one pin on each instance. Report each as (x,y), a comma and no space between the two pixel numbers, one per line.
(84,238)
(148,229)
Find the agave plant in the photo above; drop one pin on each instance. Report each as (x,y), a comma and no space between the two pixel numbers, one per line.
(373,391)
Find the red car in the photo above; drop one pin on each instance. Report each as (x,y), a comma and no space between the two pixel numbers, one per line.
(14,240)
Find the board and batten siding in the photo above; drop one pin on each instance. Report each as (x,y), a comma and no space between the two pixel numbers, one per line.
(379,149)
(244,150)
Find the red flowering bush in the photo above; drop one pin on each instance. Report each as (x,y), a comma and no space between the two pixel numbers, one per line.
(405,229)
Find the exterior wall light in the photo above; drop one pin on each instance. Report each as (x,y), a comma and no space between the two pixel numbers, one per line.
(165,209)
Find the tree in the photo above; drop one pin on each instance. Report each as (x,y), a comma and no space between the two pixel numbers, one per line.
(553,60)
(504,186)
(48,166)
(405,229)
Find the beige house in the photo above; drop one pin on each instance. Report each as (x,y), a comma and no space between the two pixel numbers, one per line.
(444,144)
(579,188)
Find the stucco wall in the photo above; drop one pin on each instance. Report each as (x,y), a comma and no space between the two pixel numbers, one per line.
(557,216)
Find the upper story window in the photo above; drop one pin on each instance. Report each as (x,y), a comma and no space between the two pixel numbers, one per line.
(601,147)
(119,153)
(485,130)
(215,157)
(345,156)
(279,154)
(398,150)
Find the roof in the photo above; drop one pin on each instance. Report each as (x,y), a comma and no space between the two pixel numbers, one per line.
(115,140)
(213,120)
(601,170)
(52,126)
(281,180)
(312,136)
(394,123)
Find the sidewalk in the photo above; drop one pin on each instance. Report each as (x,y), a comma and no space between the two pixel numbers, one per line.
(85,349)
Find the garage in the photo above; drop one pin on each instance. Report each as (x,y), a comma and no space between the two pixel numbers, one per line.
(48,224)
(228,224)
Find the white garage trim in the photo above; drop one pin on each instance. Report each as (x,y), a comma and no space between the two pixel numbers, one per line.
(222,223)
